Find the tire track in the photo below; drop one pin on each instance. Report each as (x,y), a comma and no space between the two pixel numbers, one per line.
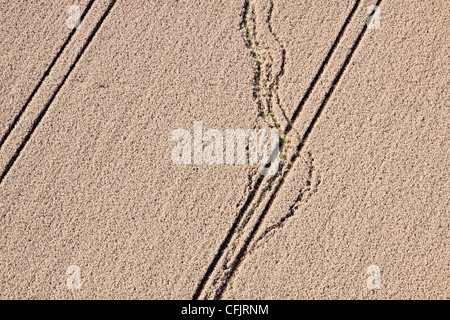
(266,79)
(303,195)
(319,73)
(243,251)
(47,105)
(44,76)
(244,25)
(275,84)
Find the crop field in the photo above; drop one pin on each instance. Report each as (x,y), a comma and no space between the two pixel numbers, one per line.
(238,149)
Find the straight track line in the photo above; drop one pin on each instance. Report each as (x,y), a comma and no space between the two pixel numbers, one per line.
(258,183)
(244,248)
(45,109)
(44,76)
(322,68)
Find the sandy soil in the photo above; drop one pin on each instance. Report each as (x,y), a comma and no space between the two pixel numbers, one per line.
(377,192)
(31,35)
(88,180)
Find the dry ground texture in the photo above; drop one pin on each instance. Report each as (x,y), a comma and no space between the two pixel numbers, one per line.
(92,205)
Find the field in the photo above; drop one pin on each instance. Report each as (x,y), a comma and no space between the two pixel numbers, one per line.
(94,100)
